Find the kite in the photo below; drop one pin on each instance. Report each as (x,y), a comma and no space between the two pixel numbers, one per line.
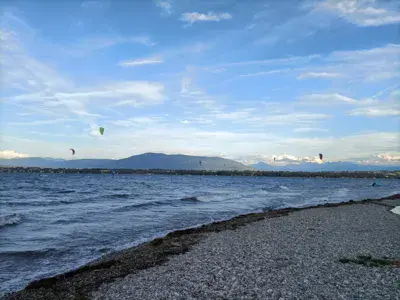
(101,130)
(73,151)
(320,156)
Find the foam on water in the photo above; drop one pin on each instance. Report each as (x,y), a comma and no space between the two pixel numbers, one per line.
(9,220)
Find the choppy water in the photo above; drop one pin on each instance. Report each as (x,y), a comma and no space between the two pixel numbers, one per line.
(55,222)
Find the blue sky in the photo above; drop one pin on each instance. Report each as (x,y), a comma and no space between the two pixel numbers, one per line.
(246,80)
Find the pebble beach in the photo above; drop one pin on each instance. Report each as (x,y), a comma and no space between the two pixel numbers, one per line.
(345,250)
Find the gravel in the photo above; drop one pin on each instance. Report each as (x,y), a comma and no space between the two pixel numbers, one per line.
(290,257)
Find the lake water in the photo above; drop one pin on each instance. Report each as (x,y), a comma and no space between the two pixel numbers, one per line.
(51,223)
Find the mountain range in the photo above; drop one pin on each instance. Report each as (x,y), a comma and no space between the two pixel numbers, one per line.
(162,161)
(141,161)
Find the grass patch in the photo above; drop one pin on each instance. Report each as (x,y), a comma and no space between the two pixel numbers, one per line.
(368,261)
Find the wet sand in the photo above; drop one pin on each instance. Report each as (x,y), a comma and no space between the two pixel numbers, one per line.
(122,275)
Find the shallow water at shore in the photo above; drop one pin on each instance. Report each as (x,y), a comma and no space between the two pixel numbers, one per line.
(55,222)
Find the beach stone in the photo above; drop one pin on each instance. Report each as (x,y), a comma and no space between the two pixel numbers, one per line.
(281,253)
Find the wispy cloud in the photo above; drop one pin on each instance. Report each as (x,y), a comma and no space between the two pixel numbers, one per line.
(310,129)
(325,99)
(94,4)
(136,93)
(319,75)
(137,121)
(193,17)
(264,73)
(362,13)
(321,15)
(141,62)
(294,60)
(235,115)
(365,65)
(374,112)
(378,109)
(42,122)
(89,45)
(165,5)
(297,118)
(23,71)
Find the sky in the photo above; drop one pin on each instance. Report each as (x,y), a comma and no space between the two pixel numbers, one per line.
(244,80)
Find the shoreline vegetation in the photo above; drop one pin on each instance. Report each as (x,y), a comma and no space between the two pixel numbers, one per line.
(82,282)
(327,174)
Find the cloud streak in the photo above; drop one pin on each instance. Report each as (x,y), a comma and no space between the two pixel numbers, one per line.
(319,75)
(141,62)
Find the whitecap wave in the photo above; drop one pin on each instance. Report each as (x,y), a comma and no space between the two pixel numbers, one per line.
(9,220)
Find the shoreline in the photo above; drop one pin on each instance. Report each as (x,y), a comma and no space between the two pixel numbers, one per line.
(388,174)
(81,282)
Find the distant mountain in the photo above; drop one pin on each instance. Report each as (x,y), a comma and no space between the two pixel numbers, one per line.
(328,166)
(142,161)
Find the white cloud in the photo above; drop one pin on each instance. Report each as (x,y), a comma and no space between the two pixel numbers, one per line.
(310,129)
(382,159)
(194,17)
(94,130)
(140,62)
(8,154)
(319,75)
(165,5)
(292,159)
(363,13)
(196,121)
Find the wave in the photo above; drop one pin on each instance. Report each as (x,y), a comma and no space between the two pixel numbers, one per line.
(283,187)
(65,192)
(341,192)
(119,195)
(28,253)
(143,205)
(191,199)
(276,187)
(9,220)
(36,203)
